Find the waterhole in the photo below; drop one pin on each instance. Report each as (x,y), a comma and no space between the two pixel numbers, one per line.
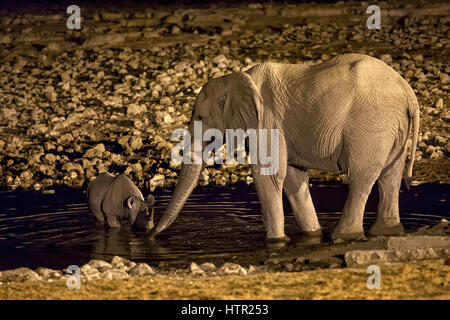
(57,230)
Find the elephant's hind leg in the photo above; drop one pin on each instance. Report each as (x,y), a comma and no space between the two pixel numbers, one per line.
(350,226)
(296,186)
(389,182)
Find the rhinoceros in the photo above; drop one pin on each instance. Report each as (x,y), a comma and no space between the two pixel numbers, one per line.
(117,199)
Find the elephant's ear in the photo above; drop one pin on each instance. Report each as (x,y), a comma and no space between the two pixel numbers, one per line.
(242,104)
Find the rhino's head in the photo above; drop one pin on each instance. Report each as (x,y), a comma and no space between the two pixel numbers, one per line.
(140,212)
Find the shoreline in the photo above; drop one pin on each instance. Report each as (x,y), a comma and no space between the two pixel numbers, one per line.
(323,269)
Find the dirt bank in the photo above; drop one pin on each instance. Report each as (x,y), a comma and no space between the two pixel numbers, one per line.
(402,281)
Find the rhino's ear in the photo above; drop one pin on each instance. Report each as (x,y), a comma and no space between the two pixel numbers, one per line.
(133,204)
(150,200)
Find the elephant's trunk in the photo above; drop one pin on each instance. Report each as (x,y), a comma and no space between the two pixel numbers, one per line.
(186,183)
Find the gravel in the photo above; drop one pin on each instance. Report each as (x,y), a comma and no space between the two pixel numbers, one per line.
(76,104)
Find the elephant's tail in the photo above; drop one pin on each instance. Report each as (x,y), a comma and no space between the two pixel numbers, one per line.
(414,119)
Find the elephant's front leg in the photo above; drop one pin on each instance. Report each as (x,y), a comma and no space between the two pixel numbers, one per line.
(270,194)
(296,186)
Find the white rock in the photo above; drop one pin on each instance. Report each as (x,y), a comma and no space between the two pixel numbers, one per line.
(232,268)
(8,113)
(19,274)
(162,118)
(95,264)
(386,58)
(444,78)
(136,143)
(439,141)
(220,58)
(175,30)
(325,57)
(252,269)
(50,94)
(90,274)
(165,101)
(47,273)
(438,154)
(195,269)
(363,258)
(135,109)
(418,57)
(95,152)
(53,46)
(208,266)
(163,79)
(117,261)
(86,268)
(420,241)
(141,269)
(110,274)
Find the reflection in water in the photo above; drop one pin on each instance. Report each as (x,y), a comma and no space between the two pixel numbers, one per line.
(113,241)
(57,230)
(110,242)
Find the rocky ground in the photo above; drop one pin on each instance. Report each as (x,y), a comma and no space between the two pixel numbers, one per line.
(412,281)
(76,103)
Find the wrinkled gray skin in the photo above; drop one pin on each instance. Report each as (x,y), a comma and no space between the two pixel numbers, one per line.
(352,113)
(116,198)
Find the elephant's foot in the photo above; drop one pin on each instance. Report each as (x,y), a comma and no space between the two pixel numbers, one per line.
(312,234)
(339,235)
(277,243)
(383,229)
(284,239)
(151,234)
(310,237)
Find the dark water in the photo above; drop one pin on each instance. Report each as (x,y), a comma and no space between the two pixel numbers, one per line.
(58,230)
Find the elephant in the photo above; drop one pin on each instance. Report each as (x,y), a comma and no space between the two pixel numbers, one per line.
(352,113)
(117,198)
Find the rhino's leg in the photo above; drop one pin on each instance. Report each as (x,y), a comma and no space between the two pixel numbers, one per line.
(97,211)
(113,222)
